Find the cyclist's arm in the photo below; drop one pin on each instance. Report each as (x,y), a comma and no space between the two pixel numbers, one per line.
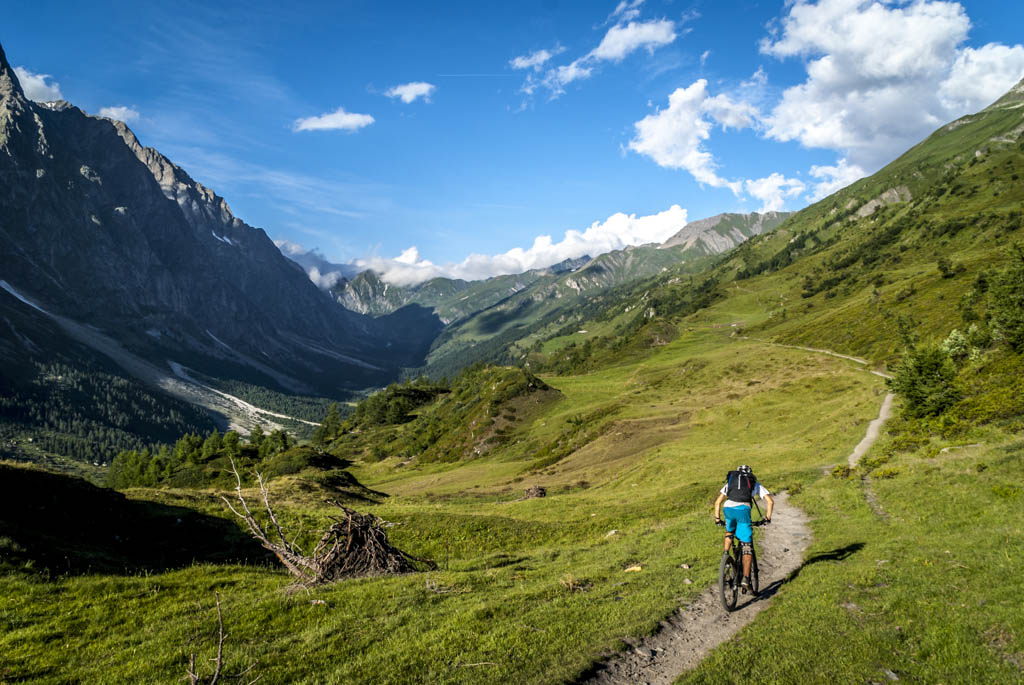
(718,506)
(771,505)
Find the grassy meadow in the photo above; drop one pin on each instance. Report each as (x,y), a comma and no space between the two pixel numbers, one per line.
(527,590)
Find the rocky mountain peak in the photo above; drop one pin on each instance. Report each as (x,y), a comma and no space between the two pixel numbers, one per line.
(724,231)
(10,87)
(8,81)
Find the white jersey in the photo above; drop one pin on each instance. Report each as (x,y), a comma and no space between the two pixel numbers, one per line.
(758,491)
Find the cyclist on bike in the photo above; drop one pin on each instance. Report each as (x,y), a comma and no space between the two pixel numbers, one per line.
(737,494)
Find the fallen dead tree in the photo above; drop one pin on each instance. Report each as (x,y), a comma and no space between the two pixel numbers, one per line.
(355,544)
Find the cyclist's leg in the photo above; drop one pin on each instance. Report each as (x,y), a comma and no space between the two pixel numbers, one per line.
(730,526)
(744,534)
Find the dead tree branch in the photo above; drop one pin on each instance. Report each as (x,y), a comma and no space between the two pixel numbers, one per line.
(193,675)
(355,544)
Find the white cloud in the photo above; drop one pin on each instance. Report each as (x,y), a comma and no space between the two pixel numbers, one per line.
(323,281)
(626,10)
(882,75)
(980,76)
(756,81)
(621,40)
(730,113)
(834,178)
(618,42)
(773,190)
(338,119)
(125,114)
(38,87)
(704,57)
(408,92)
(290,248)
(673,137)
(615,233)
(559,77)
(536,59)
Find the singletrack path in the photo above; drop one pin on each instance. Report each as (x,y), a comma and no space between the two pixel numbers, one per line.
(872,433)
(689,634)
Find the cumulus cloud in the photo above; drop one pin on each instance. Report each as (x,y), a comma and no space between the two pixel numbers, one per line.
(339,119)
(731,113)
(619,41)
(833,178)
(38,87)
(773,190)
(408,92)
(980,76)
(615,233)
(674,137)
(882,75)
(121,113)
(536,59)
(623,39)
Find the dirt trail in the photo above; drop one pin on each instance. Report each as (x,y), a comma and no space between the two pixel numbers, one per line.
(872,433)
(689,634)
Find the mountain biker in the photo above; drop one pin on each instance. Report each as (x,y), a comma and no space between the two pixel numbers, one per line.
(737,494)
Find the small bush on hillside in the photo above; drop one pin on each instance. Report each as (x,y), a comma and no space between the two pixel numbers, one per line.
(842,472)
(1007,302)
(956,347)
(924,379)
(888,472)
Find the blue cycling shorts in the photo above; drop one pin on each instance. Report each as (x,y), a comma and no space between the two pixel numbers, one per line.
(738,519)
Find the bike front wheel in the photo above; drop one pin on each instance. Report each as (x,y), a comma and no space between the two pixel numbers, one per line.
(728,581)
(753,576)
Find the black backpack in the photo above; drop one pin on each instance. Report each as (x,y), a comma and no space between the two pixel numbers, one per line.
(740,487)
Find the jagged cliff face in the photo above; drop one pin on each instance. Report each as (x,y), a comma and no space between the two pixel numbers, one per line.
(103,230)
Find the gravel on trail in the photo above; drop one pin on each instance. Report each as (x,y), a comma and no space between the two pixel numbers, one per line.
(689,634)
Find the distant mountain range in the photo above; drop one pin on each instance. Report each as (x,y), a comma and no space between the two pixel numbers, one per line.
(369,292)
(116,263)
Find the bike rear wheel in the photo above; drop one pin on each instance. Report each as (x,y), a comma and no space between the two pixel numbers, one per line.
(753,576)
(728,581)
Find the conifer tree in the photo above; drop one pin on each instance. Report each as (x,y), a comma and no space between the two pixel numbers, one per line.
(1007,303)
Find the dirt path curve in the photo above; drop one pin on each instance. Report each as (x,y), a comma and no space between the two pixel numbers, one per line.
(883,414)
(872,433)
(690,633)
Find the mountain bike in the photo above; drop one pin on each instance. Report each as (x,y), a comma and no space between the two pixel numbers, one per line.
(730,571)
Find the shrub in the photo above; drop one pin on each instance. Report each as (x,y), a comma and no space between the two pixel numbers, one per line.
(842,472)
(924,379)
(1007,302)
(888,472)
(956,346)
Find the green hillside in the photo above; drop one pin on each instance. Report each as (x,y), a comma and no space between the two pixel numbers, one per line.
(628,415)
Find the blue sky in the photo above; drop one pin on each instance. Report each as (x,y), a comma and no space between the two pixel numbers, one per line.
(472,130)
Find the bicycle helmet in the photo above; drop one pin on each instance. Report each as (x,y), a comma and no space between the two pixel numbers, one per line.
(743,469)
